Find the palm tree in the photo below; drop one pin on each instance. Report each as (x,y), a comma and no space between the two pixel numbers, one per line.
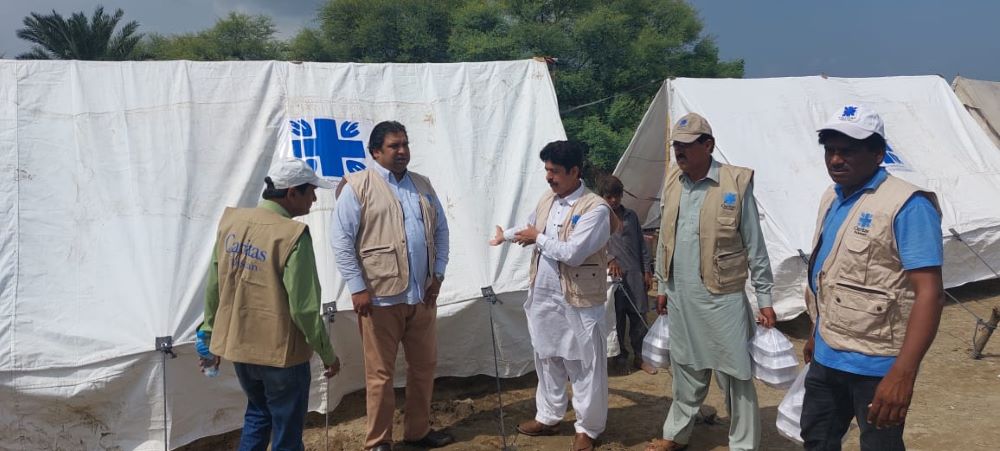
(79,38)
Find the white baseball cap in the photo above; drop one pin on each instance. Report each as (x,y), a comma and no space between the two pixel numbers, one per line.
(292,172)
(856,121)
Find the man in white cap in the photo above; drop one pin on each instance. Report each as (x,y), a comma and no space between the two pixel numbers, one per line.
(875,292)
(710,244)
(262,306)
(389,235)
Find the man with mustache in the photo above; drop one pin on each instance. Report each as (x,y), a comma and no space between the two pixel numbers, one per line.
(710,237)
(569,232)
(874,293)
(390,239)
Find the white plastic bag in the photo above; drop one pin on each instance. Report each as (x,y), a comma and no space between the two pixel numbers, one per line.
(774,360)
(789,416)
(656,344)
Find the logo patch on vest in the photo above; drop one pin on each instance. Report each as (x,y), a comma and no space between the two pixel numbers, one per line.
(729,201)
(574,219)
(241,253)
(864,224)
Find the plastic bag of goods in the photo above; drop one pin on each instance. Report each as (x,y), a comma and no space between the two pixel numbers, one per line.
(656,344)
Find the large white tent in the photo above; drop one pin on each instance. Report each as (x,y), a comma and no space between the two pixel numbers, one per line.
(770,125)
(113,176)
(982,99)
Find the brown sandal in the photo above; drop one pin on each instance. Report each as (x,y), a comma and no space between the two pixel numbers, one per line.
(583,442)
(535,428)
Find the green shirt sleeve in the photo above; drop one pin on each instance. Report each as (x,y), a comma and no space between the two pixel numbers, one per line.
(302,284)
(211,292)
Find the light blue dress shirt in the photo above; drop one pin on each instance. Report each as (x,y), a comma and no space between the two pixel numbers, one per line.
(346,219)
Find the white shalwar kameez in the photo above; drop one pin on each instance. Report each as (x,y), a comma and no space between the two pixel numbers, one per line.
(569,342)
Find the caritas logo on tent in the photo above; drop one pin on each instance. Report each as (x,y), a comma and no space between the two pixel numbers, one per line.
(332,147)
(892,160)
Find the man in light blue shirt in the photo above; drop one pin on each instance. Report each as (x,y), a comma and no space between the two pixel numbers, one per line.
(389,235)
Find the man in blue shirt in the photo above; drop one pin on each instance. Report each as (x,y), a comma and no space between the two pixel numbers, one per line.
(875,290)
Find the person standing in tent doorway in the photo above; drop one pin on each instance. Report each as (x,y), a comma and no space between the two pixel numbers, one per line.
(567,289)
(630,265)
(390,239)
(875,292)
(710,243)
(262,307)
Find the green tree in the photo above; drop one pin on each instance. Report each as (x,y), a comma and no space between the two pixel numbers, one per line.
(414,31)
(611,56)
(238,36)
(55,37)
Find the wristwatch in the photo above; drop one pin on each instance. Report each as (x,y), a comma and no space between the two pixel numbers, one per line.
(439,277)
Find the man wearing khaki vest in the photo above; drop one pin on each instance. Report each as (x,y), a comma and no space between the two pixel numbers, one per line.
(390,239)
(262,307)
(710,244)
(874,293)
(569,231)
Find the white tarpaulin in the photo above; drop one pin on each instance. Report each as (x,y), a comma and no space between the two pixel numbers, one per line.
(113,176)
(982,99)
(770,125)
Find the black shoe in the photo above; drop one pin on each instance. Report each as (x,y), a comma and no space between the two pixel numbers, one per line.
(382,447)
(433,439)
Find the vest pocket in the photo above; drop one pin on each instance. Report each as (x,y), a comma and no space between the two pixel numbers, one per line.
(855,268)
(859,312)
(731,268)
(588,280)
(379,262)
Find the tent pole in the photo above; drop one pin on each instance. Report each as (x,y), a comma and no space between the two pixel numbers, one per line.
(329,311)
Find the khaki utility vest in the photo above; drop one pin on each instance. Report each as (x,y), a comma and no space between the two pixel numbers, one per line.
(253,323)
(864,296)
(585,285)
(381,242)
(724,264)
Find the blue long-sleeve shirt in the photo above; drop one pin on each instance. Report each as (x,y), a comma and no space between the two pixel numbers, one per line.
(344,232)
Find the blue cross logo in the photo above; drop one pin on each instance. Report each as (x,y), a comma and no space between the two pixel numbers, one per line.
(865,220)
(849,112)
(891,157)
(729,199)
(329,151)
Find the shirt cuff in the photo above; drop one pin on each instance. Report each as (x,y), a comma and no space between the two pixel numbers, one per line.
(541,239)
(328,357)
(357,284)
(439,267)
(661,288)
(763,300)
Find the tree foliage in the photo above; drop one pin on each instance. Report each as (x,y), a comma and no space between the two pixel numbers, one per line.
(238,36)
(80,38)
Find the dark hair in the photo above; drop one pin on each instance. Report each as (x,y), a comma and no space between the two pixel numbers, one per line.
(564,153)
(874,143)
(704,137)
(377,138)
(610,186)
(270,193)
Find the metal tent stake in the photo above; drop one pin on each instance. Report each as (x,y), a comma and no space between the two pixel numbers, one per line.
(492,299)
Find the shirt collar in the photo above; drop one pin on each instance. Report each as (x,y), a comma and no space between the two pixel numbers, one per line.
(274,206)
(573,197)
(387,174)
(880,175)
(713,173)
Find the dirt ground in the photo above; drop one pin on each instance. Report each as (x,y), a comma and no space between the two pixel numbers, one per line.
(954,405)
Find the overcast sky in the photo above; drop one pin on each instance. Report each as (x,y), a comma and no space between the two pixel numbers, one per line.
(849,38)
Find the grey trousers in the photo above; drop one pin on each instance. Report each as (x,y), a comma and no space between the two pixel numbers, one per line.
(690,387)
